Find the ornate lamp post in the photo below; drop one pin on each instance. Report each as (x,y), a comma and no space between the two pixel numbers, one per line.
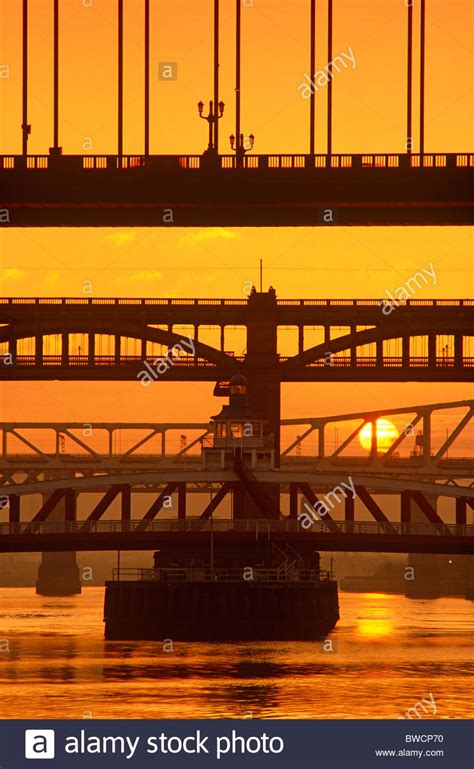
(212,117)
(239,148)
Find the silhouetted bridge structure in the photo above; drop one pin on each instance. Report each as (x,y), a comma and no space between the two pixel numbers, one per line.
(344,536)
(78,489)
(61,338)
(35,451)
(413,187)
(268,190)
(375,345)
(142,495)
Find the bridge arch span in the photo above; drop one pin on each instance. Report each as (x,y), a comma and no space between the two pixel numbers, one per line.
(150,480)
(96,326)
(459,328)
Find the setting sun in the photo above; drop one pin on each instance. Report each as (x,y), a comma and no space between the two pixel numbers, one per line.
(387,434)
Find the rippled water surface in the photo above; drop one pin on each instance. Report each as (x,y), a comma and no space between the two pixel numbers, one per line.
(386,654)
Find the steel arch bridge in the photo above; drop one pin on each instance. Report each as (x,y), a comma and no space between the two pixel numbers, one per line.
(32,451)
(75,492)
(38,339)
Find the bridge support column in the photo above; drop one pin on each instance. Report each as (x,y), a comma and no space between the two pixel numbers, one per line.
(423,575)
(14,508)
(181,500)
(126,503)
(91,349)
(349,508)
(262,361)
(39,350)
(379,352)
(64,349)
(196,339)
(461,511)
(12,348)
(458,349)
(293,501)
(58,573)
(432,350)
(300,339)
(117,351)
(353,352)
(238,502)
(406,352)
(405,504)
(263,376)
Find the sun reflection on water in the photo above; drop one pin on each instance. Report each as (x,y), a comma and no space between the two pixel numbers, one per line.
(374,622)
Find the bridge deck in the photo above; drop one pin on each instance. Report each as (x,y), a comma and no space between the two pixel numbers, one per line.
(147,535)
(409,466)
(107,368)
(363,353)
(270,190)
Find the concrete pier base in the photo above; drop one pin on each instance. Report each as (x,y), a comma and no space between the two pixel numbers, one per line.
(219,611)
(58,575)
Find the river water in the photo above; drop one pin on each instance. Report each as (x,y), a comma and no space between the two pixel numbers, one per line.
(386,654)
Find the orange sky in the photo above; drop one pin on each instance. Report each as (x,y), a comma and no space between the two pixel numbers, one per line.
(370,99)
(369,115)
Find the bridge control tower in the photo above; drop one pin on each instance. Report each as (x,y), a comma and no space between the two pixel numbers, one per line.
(239,429)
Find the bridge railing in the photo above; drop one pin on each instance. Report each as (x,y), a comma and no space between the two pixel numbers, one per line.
(223,525)
(205,574)
(336,361)
(170,302)
(309,461)
(279,161)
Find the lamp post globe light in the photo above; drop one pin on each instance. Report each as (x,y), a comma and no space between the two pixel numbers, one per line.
(239,147)
(214,114)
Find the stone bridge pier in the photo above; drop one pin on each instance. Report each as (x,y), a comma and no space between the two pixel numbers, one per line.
(58,573)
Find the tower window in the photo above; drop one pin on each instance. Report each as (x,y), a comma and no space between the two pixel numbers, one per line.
(221,429)
(237,430)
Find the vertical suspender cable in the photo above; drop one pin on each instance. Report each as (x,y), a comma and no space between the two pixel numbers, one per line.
(120,81)
(24,125)
(147,78)
(329,125)
(216,75)
(312,65)
(409,139)
(56,76)
(422,77)
(238,20)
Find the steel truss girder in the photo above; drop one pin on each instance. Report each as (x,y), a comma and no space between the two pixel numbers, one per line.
(54,494)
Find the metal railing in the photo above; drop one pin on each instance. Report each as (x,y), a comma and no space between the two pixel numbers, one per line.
(336,361)
(311,462)
(187,302)
(279,161)
(225,525)
(206,574)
